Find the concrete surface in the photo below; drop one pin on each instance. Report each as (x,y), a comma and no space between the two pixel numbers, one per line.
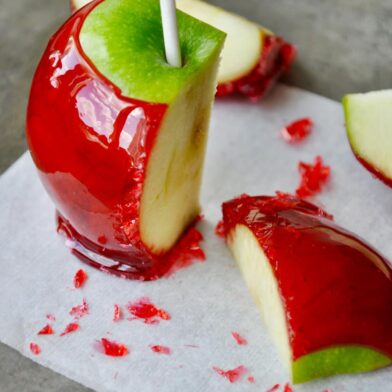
(344,46)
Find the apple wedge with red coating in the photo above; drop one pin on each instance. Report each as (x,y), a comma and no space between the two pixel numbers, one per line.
(369,131)
(324,294)
(119,136)
(253,58)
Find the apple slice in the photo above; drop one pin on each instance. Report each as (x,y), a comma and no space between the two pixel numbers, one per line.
(369,130)
(324,294)
(253,57)
(119,136)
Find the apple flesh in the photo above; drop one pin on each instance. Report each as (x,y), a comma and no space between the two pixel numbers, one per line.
(324,295)
(253,58)
(369,130)
(119,136)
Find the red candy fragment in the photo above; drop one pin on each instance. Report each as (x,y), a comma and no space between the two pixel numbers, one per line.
(232,375)
(47,330)
(72,327)
(80,278)
(160,349)
(313,177)
(251,379)
(144,309)
(274,388)
(79,310)
(288,388)
(297,130)
(114,349)
(117,313)
(220,229)
(239,339)
(35,349)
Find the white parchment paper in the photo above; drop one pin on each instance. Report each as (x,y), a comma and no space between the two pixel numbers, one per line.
(206,301)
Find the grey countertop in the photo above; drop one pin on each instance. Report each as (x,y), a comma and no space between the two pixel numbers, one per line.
(344,46)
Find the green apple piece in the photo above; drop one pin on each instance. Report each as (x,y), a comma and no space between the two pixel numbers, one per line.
(369,129)
(243,45)
(261,281)
(124,40)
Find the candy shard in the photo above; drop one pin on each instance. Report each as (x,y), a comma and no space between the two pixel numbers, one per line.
(297,130)
(313,177)
(46,330)
(35,348)
(70,328)
(160,349)
(220,229)
(114,349)
(274,388)
(80,311)
(117,313)
(144,309)
(239,339)
(232,375)
(80,278)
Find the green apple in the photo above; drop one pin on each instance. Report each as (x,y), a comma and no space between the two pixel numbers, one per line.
(129,156)
(369,130)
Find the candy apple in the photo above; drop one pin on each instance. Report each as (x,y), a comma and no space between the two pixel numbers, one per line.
(369,130)
(119,136)
(325,295)
(253,57)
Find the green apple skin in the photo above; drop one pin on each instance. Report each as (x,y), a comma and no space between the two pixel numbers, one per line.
(124,40)
(337,360)
(369,130)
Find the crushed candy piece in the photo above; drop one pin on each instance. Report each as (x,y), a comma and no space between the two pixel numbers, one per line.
(297,130)
(114,349)
(80,279)
(232,375)
(313,177)
(72,327)
(144,309)
(117,313)
(274,388)
(161,349)
(47,330)
(239,339)
(288,388)
(251,380)
(79,310)
(35,348)
(220,229)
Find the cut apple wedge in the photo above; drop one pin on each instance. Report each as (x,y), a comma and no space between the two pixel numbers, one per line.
(122,147)
(253,57)
(369,131)
(324,294)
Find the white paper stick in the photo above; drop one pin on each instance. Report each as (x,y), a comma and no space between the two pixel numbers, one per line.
(170,32)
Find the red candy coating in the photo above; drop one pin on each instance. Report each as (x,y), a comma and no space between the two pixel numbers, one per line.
(220,229)
(35,348)
(80,278)
(72,327)
(144,309)
(90,132)
(239,339)
(275,59)
(114,349)
(232,375)
(161,349)
(336,289)
(313,177)
(46,330)
(297,130)
(373,171)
